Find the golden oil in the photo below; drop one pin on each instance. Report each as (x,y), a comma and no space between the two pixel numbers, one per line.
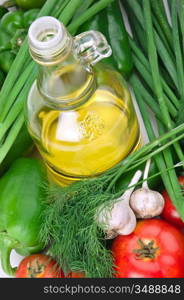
(82,120)
(91,138)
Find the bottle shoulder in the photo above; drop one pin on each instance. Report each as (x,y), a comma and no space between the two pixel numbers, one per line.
(103,78)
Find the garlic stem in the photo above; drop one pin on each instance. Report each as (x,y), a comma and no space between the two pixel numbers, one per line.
(146,172)
(146,203)
(131,187)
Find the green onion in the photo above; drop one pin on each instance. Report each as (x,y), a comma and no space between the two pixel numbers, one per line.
(93,10)
(153,59)
(14,131)
(165,56)
(69,11)
(17,89)
(150,67)
(159,158)
(159,11)
(82,9)
(177,48)
(139,58)
(16,108)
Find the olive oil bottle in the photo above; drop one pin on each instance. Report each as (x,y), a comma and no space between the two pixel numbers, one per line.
(79,111)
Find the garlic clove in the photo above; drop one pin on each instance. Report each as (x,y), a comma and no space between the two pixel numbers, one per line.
(120,220)
(110,216)
(117,217)
(146,203)
(129,227)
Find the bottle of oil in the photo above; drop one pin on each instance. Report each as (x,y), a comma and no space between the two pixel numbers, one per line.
(80,116)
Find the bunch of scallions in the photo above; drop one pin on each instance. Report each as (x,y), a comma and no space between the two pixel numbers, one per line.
(69,226)
(158,80)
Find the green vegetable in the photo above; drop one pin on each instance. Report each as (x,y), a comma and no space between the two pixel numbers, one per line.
(13,30)
(21,202)
(175,9)
(82,8)
(28,4)
(118,38)
(175,189)
(160,13)
(6,60)
(158,70)
(2,78)
(3,11)
(111,24)
(22,146)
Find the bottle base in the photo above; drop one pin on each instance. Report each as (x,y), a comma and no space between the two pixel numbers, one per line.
(58,178)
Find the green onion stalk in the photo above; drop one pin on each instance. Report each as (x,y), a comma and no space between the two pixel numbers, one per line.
(156,82)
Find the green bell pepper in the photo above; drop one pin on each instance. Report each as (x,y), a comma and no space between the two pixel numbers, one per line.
(118,39)
(28,4)
(13,30)
(110,22)
(21,202)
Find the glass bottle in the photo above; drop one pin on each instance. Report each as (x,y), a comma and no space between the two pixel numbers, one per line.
(79,111)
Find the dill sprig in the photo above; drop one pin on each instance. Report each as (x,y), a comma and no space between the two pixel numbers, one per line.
(69,226)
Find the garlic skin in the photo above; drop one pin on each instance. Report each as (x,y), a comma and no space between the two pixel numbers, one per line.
(118,217)
(119,220)
(146,203)
(130,225)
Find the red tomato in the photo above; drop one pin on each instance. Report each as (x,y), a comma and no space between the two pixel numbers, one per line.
(154,250)
(169,212)
(39,266)
(76,275)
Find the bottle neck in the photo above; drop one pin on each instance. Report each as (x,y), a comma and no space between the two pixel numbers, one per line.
(67,84)
(66,74)
(49,41)
(63,81)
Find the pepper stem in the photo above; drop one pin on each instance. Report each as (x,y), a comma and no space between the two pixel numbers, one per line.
(6,246)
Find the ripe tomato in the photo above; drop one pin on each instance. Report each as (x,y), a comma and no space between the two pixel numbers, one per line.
(39,266)
(154,250)
(76,275)
(169,212)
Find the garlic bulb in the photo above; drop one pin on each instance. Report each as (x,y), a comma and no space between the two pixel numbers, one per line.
(145,202)
(118,217)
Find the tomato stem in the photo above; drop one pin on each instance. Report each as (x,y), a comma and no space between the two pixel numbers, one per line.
(35,269)
(145,250)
